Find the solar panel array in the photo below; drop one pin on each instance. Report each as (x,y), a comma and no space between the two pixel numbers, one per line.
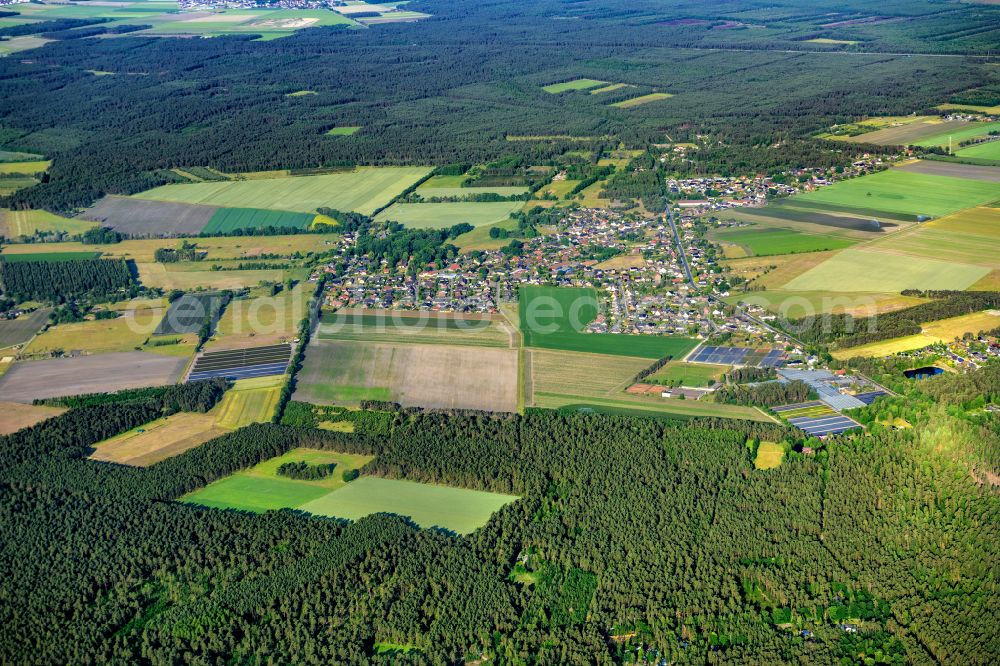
(242,363)
(764,358)
(870,397)
(816,418)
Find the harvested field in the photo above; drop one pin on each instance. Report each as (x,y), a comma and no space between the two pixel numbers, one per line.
(218,248)
(597,382)
(415,327)
(907,131)
(971,236)
(795,304)
(769,455)
(363,190)
(140,218)
(444,215)
(866,270)
(433,376)
(125,333)
(774,272)
(954,170)
(15,416)
(242,407)
(622,262)
(103,373)
(29,222)
(429,505)
(261,320)
(158,440)
(175,276)
(20,330)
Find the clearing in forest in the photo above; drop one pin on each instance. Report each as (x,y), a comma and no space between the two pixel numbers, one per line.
(575,84)
(638,101)
(241,407)
(158,440)
(769,455)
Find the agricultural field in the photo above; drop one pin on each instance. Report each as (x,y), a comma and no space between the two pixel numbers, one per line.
(445,215)
(158,440)
(989,150)
(903,131)
(441,192)
(785,214)
(959,134)
(363,190)
(942,330)
(262,364)
(575,84)
(226,220)
(431,376)
(955,169)
(454,509)
(797,304)
(902,192)
(28,168)
(552,318)
(138,218)
(970,237)
(693,375)
(261,488)
(867,271)
(188,313)
(18,44)
(479,238)
(14,223)
(413,327)
(20,330)
(775,271)
(769,455)
(127,332)
(49,256)
(610,88)
(15,416)
(768,241)
(347,130)
(639,101)
(241,407)
(596,382)
(103,373)
(261,320)
(187,277)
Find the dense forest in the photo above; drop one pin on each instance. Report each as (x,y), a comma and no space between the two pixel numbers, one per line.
(633,540)
(453,89)
(58,281)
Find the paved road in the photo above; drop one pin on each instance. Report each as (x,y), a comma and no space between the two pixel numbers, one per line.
(680,246)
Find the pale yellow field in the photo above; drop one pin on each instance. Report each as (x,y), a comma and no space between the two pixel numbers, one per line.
(243,407)
(622,262)
(161,276)
(159,440)
(14,415)
(107,335)
(262,320)
(142,251)
(943,330)
(14,223)
(25,167)
(774,272)
(769,455)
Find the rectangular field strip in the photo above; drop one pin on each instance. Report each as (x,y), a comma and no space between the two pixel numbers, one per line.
(242,363)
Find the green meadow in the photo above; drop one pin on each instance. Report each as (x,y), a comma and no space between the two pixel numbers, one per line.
(989,150)
(552,318)
(873,271)
(455,509)
(904,192)
(363,190)
(575,84)
(229,219)
(968,132)
(762,242)
(444,215)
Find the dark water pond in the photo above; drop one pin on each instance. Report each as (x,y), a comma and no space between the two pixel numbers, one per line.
(922,373)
